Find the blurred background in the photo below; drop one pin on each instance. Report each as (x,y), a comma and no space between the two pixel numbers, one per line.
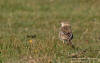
(22,18)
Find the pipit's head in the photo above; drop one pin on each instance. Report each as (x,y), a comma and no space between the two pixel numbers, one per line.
(65,24)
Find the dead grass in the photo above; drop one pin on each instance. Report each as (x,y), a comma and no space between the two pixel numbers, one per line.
(19,18)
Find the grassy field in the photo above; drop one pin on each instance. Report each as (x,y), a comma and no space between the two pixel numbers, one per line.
(19,18)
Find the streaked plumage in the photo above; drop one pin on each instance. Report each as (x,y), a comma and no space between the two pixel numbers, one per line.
(65,33)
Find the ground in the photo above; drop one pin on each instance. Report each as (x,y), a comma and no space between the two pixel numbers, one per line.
(20,18)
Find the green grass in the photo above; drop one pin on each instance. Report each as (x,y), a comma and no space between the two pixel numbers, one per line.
(19,18)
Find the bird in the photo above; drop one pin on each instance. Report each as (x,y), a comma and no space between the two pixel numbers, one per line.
(65,33)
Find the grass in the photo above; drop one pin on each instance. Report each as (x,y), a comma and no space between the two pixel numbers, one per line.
(19,18)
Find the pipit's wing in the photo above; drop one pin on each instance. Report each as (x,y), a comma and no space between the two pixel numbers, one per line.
(67,32)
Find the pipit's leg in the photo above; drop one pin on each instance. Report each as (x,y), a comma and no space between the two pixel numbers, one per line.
(63,41)
(68,42)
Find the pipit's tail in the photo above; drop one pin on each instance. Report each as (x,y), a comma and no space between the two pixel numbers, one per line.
(71,44)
